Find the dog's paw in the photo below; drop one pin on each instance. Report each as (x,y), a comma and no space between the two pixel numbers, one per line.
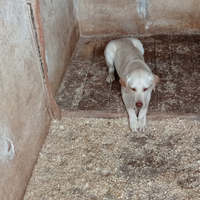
(110,78)
(134,126)
(142,125)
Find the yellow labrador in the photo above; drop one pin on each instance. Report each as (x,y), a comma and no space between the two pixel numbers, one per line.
(136,79)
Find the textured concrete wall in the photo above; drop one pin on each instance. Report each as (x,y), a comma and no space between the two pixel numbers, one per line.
(24,118)
(61,34)
(112,17)
(173,16)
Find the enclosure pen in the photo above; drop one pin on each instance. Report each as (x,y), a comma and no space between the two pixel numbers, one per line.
(64,131)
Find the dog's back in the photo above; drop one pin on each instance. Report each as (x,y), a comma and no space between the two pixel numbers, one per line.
(123,52)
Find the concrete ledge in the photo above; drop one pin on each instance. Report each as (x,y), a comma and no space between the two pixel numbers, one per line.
(114,114)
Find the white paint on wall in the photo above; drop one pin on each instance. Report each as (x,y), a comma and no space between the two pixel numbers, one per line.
(146,27)
(47,60)
(75,7)
(142,8)
(7,150)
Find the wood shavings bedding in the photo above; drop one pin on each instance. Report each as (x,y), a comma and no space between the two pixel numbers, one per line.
(101,159)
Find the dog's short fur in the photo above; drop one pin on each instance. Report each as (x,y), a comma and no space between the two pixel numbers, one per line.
(136,79)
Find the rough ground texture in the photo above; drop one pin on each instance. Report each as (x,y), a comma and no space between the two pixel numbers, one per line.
(98,159)
(174,58)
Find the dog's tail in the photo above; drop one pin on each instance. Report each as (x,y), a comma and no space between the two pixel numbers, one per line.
(138,45)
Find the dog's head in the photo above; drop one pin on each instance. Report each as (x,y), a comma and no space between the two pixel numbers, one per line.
(139,84)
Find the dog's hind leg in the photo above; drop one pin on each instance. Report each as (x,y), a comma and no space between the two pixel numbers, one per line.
(109,55)
(138,45)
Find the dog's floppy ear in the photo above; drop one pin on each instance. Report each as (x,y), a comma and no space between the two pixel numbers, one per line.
(155,81)
(123,82)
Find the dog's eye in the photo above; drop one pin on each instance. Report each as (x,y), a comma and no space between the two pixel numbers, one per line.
(145,89)
(133,89)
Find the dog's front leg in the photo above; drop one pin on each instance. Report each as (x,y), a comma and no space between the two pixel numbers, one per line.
(133,121)
(111,77)
(142,119)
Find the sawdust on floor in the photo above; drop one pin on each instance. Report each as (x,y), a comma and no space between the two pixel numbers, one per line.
(101,159)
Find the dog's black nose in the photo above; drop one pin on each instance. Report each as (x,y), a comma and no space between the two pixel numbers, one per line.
(139,104)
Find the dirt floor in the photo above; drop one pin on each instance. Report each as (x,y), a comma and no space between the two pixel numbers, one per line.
(98,159)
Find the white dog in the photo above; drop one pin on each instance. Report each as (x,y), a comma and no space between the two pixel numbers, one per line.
(136,79)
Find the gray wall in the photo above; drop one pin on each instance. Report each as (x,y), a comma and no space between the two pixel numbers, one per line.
(113,17)
(61,33)
(23,110)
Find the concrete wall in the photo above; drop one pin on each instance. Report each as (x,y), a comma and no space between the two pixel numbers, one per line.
(113,17)
(61,34)
(24,107)
(24,118)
